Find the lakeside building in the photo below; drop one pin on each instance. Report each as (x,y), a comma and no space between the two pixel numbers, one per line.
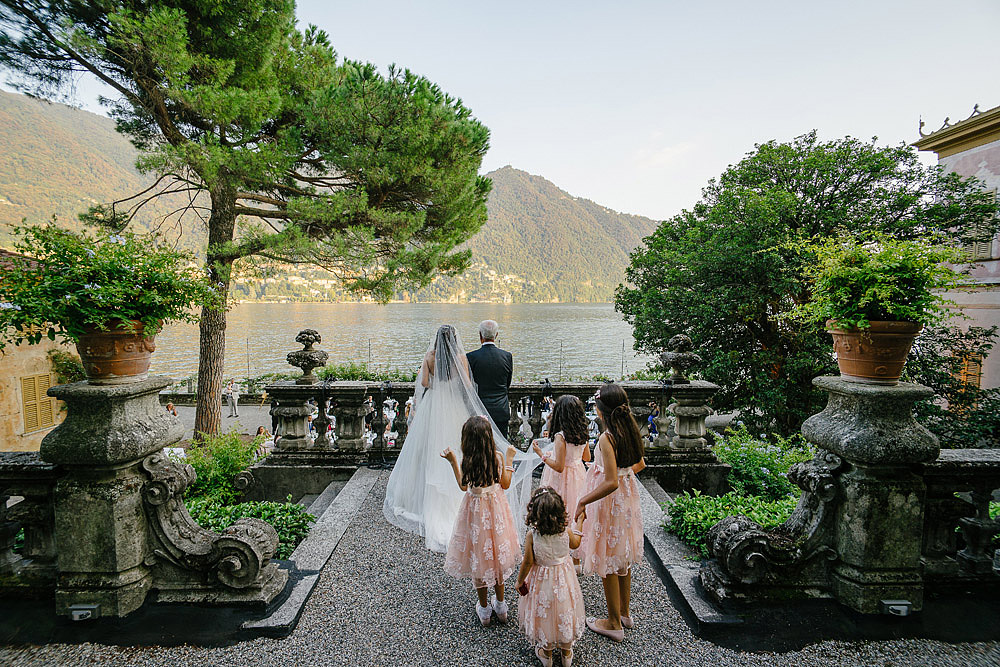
(971,147)
(26,412)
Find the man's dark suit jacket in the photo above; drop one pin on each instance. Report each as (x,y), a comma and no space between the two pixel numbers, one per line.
(492,370)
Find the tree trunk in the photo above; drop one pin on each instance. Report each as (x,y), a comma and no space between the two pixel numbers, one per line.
(212,327)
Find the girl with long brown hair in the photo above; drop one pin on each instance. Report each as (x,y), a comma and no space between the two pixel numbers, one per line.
(564,469)
(610,511)
(484,545)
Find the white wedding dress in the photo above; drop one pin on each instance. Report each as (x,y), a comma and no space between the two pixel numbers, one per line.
(422,496)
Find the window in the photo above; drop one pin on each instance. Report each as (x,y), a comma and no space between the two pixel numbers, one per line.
(982,249)
(39,410)
(971,371)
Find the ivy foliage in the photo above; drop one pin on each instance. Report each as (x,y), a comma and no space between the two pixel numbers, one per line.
(692,515)
(63,282)
(759,481)
(855,281)
(290,520)
(725,271)
(759,467)
(217,460)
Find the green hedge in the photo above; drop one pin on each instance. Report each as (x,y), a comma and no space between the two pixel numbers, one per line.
(217,460)
(289,519)
(691,515)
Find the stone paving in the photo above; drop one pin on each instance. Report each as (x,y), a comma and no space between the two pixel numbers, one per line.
(383,599)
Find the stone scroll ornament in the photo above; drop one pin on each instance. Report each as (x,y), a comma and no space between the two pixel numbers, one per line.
(746,554)
(307,358)
(239,557)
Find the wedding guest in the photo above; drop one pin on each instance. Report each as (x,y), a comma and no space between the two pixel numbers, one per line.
(484,546)
(171,410)
(232,393)
(564,469)
(612,527)
(551,611)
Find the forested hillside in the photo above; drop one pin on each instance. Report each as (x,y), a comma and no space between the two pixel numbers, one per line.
(550,244)
(540,243)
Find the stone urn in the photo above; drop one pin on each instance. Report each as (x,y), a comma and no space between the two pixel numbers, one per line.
(307,358)
(118,355)
(875,355)
(679,358)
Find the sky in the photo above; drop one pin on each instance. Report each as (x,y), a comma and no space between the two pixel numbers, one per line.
(636,104)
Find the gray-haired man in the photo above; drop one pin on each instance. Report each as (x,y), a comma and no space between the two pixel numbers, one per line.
(492,370)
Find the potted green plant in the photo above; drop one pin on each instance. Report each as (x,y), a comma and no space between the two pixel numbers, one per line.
(108,293)
(874,295)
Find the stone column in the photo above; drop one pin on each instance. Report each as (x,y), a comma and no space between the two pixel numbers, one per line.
(101,531)
(879,521)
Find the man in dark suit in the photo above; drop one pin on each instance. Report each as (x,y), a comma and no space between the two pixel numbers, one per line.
(492,370)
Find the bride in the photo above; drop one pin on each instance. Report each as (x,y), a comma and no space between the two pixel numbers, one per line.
(422,496)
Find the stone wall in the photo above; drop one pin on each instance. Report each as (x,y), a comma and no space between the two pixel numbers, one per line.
(17,362)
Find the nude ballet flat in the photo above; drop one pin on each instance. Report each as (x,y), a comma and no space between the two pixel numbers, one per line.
(613,635)
(567,656)
(546,662)
(627,622)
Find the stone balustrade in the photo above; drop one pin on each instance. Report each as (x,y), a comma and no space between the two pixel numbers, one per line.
(26,496)
(957,549)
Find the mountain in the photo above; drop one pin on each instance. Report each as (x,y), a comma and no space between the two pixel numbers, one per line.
(540,243)
(550,245)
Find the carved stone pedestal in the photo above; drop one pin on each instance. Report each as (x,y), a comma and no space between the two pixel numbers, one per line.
(688,463)
(101,532)
(856,533)
(121,527)
(879,520)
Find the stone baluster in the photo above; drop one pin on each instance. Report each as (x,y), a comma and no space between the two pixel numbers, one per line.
(978,532)
(378,420)
(322,422)
(399,425)
(690,408)
(348,407)
(8,535)
(291,408)
(514,424)
(535,421)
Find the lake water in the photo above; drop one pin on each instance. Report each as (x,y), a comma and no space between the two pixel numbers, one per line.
(588,338)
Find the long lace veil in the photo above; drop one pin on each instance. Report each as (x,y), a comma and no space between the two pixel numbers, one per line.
(451,376)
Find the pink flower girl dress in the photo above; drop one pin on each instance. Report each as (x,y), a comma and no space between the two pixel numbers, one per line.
(612,532)
(484,545)
(551,614)
(569,483)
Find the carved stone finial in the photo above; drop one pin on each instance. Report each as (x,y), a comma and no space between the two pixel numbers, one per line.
(307,358)
(679,358)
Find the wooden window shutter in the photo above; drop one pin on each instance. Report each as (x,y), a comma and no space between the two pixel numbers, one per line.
(29,401)
(981,250)
(39,410)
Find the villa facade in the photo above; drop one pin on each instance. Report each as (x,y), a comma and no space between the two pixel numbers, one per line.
(971,147)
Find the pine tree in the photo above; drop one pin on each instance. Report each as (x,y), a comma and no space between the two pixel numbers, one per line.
(284,151)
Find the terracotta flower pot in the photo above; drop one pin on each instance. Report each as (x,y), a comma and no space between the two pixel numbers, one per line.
(116,356)
(875,355)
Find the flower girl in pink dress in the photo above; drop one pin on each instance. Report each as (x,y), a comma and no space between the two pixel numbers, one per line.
(484,544)
(564,469)
(551,611)
(612,528)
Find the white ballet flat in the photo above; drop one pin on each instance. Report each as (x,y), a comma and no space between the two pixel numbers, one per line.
(485,614)
(501,609)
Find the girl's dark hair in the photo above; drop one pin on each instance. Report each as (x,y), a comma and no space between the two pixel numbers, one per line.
(546,511)
(612,401)
(479,453)
(570,417)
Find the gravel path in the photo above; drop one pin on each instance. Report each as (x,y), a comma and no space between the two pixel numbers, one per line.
(384,600)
